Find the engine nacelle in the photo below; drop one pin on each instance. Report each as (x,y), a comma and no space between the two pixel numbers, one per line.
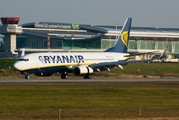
(43,74)
(83,71)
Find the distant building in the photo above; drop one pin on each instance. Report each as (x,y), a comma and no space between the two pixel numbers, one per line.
(79,37)
(9,29)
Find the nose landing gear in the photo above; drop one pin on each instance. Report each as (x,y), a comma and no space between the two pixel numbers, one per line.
(27,77)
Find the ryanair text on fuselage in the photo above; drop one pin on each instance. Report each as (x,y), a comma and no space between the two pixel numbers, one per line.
(62,59)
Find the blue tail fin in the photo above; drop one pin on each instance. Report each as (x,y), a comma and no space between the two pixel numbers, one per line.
(121,44)
(162,55)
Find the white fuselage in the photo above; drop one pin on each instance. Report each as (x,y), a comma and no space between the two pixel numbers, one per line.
(56,60)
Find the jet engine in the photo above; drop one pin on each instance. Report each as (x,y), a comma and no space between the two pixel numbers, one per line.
(43,74)
(82,71)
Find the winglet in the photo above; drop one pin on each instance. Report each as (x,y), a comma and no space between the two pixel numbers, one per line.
(162,55)
(121,44)
(23,52)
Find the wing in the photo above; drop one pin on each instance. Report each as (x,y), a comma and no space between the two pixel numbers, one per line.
(108,65)
(161,56)
(140,54)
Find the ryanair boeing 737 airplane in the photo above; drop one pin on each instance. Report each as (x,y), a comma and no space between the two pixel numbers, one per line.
(80,63)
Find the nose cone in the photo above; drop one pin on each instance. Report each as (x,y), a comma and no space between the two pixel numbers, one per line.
(17,65)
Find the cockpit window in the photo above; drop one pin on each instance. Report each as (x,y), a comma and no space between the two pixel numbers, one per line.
(23,59)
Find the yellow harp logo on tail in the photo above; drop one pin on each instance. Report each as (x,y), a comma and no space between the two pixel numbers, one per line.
(124,37)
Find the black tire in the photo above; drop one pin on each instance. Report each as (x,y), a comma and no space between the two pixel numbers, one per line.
(87,77)
(64,76)
(27,77)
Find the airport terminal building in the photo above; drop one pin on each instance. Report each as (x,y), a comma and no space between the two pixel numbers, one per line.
(53,37)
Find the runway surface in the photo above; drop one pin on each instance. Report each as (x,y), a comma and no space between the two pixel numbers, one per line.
(88,80)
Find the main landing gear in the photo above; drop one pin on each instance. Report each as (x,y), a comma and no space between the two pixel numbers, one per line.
(64,76)
(87,77)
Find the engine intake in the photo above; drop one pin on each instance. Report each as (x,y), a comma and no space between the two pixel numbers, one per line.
(82,71)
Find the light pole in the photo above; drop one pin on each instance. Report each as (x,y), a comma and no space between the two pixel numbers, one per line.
(116,29)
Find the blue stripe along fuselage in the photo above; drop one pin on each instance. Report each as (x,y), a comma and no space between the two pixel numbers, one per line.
(47,69)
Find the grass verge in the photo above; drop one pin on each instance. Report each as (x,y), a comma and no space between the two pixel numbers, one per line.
(89,100)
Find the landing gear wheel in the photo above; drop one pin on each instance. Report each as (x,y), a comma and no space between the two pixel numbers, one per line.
(87,77)
(64,76)
(27,77)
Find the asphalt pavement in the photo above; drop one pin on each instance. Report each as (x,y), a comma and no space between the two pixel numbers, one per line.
(88,80)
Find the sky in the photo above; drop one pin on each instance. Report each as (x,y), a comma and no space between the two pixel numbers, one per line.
(144,13)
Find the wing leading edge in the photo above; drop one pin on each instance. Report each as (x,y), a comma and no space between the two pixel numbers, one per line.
(121,62)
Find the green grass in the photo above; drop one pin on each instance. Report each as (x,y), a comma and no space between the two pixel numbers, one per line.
(145,69)
(7,63)
(89,100)
(152,68)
